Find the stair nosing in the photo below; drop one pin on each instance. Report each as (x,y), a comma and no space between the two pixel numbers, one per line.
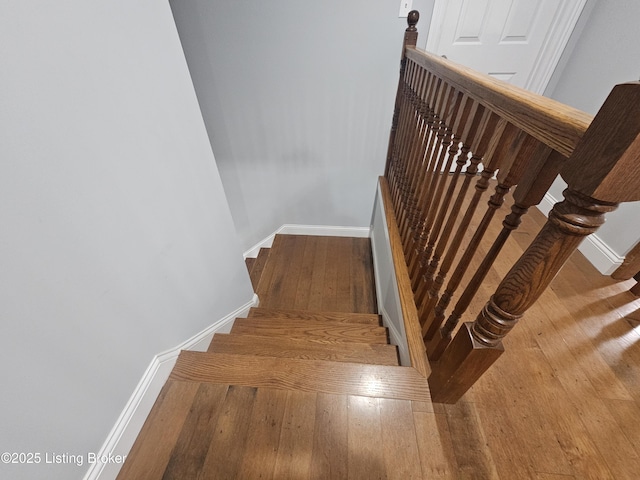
(379,381)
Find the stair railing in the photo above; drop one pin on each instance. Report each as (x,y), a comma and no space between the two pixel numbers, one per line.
(452,127)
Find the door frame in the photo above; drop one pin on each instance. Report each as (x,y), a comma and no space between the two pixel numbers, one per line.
(555,43)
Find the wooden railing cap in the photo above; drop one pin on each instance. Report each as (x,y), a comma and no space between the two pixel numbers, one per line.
(551,122)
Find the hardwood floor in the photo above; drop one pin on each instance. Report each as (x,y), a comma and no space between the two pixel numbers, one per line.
(564,399)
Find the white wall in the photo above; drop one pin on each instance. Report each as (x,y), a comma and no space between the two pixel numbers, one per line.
(603,52)
(116,240)
(298,99)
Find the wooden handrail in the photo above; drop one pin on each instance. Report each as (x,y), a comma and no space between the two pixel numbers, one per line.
(553,123)
(447,114)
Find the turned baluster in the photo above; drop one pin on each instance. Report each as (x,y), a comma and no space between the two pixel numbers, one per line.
(540,174)
(491,127)
(449,151)
(429,200)
(410,40)
(432,98)
(440,96)
(603,171)
(417,149)
(478,116)
(432,313)
(415,152)
(522,154)
(426,120)
(464,127)
(406,137)
(393,153)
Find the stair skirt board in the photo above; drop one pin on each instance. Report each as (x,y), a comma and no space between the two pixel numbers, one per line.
(387,293)
(397,339)
(601,255)
(317,230)
(128,426)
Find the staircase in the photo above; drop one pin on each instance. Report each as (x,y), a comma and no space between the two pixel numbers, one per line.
(297,392)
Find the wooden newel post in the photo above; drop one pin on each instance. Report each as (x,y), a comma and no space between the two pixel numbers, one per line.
(410,40)
(603,171)
(411,33)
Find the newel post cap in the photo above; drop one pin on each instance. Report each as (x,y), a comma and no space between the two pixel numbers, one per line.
(412,20)
(605,164)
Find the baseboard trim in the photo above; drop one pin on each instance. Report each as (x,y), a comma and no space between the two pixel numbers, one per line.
(125,431)
(599,254)
(547,204)
(321,230)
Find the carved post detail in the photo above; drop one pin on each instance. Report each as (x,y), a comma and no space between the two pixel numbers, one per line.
(569,222)
(481,341)
(540,172)
(603,171)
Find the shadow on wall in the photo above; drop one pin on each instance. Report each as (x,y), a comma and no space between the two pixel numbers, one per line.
(298,100)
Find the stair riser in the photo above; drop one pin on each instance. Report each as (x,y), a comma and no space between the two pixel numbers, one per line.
(314,333)
(361,318)
(289,348)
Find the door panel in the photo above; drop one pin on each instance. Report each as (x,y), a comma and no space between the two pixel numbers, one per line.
(512,40)
(470,22)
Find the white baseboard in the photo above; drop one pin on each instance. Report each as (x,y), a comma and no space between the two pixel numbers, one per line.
(323,230)
(125,431)
(599,254)
(547,204)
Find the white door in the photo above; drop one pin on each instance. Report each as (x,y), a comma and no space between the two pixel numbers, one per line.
(518,41)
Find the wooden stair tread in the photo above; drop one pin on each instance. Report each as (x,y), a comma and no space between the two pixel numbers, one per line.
(205,430)
(319,273)
(364,318)
(294,348)
(151,452)
(384,381)
(312,330)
